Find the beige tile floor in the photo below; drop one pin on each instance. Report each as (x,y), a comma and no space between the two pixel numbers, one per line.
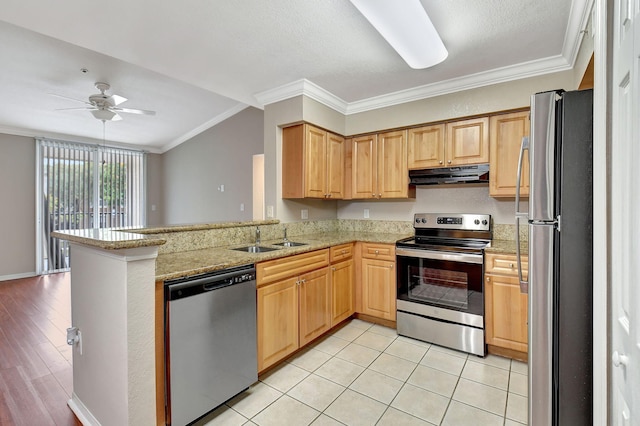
(365,374)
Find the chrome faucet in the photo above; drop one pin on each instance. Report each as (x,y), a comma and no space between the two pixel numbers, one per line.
(257,235)
(285,235)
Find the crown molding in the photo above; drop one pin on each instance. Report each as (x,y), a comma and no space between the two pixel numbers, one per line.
(302,87)
(205,126)
(487,78)
(578,20)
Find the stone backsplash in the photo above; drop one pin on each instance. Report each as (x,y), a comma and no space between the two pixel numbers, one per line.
(196,239)
(235,234)
(508,232)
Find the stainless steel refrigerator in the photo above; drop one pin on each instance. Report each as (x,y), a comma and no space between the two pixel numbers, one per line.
(560,279)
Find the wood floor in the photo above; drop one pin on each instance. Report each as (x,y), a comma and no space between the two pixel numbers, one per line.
(35,360)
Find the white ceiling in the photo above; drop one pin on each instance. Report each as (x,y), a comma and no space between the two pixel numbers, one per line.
(198,62)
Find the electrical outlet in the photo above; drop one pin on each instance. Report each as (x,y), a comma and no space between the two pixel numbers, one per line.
(241,207)
(270,212)
(304,214)
(366,213)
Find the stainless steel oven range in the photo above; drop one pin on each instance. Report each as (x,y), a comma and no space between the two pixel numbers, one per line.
(440,284)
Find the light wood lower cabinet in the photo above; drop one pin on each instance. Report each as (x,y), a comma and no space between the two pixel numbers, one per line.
(300,298)
(277,321)
(342,291)
(378,281)
(314,295)
(506,308)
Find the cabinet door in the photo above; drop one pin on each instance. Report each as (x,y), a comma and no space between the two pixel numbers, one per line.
(277,321)
(315,162)
(506,313)
(335,166)
(468,142)
(426,147)
(507,131)
(364,167)
(315,305)
(393,175)
(342,291)
(379,288)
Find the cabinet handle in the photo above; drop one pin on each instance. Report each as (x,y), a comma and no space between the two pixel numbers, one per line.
(449,162)
(391,266)
(511,265)
(379,195)
(440,162)
(328,195)
(377,252)
(488,279)
(303,281)
(333,269)
(343,251)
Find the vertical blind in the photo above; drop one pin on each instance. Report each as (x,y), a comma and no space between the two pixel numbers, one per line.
(85,186)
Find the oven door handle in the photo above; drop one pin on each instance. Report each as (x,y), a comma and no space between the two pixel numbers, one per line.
(438,255)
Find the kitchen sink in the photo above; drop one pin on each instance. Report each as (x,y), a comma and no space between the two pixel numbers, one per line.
(290,244)
(255,249)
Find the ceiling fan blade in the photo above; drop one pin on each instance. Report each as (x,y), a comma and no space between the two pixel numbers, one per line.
(116,99)
(116,118)
(87,108)
(134,111)
(68,98)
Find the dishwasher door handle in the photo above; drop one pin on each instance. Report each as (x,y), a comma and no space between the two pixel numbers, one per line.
(217,284)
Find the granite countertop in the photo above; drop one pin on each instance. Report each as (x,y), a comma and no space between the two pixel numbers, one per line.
(181,264)
(109,239)
(507,247)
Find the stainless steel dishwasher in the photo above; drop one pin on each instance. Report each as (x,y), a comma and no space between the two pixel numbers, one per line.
(210,341)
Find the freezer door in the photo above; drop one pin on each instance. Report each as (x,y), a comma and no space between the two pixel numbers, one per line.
(542,149)
(541,306)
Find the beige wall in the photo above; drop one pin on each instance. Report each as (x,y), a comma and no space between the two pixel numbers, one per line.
(18,212)
(193,171)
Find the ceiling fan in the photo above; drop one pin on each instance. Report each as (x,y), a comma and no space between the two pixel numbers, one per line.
(104,107)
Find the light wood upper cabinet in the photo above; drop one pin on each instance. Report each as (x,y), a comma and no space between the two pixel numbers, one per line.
(312,163)
(379,166)
(506,308)
(426,147)
(335,166)
(364,166)
(507,131)
(456,143)
(467,142)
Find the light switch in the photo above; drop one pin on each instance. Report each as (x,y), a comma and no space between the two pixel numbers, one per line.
(304,214)
(366,213)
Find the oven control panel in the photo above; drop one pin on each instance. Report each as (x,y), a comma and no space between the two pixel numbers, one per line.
(474,222)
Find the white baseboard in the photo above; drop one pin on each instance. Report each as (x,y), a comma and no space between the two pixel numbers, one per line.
(82,412)
(17,276)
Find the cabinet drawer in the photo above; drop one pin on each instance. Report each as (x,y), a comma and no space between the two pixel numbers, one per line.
(505,264)
(278,269)
(341,252)
(379,251)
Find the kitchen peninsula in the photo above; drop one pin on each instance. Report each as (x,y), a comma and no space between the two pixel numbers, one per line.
(114,298)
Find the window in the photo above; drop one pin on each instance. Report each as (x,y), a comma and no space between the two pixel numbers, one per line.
(85,186)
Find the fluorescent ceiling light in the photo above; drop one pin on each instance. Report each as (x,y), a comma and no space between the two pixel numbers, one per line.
(407,28)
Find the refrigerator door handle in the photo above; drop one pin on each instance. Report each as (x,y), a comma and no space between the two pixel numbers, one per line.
(524,285)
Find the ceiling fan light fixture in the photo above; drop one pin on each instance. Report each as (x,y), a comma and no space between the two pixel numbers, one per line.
(407,28)
(105,115)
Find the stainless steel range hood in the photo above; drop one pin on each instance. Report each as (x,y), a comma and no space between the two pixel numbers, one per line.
(462,174)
